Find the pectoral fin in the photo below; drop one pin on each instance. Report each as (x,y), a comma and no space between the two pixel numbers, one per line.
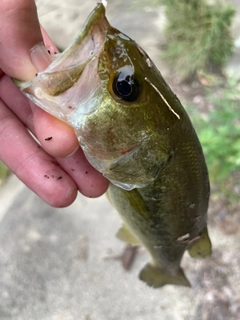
(202,247)
(136,202)
(126,235)
(156,277)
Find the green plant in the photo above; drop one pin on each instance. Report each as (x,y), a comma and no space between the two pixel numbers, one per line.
(198,36)
(219,132)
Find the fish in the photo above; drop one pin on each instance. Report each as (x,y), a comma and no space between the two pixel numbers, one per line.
(134,130)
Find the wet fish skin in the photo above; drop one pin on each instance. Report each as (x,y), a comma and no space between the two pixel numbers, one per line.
(143,142)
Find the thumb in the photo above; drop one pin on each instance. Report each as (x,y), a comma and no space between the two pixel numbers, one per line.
(19,32)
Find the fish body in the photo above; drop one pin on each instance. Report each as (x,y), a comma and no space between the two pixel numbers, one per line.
(134,130)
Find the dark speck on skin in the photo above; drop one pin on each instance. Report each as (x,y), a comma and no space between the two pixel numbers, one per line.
(72,169)
(46,176)
(59,178)
(49,138)
(86,172)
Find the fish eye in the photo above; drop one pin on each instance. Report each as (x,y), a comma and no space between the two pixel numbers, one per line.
(125,87)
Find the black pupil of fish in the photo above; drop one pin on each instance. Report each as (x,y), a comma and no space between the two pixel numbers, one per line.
(125,87)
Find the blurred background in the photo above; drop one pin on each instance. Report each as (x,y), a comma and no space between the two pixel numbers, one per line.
(66,263)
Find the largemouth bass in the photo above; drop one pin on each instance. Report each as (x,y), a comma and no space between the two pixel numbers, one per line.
(134,130)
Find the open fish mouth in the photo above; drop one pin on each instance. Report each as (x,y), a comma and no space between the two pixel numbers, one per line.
(72,78)
(78,88)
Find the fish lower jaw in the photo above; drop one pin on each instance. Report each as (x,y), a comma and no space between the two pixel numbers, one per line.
(104,165)
(125,186)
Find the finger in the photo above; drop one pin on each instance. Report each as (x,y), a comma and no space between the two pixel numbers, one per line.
(31,164)
(55,136)
(16,60)
(16,101)
(90,182)
(51,48)
(20,31)
(40,59)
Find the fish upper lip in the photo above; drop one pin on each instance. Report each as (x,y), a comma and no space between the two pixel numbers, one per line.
(94,29)
(72,62)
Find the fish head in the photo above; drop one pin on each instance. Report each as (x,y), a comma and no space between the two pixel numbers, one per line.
(105,86)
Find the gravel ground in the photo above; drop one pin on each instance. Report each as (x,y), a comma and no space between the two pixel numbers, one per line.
(61,264)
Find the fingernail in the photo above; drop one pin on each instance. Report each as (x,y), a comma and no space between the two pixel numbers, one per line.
(40,57)
(72,153)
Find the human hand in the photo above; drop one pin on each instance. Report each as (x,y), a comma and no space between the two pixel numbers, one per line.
(50,170)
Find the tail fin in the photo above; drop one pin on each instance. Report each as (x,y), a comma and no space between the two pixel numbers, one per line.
(156,277)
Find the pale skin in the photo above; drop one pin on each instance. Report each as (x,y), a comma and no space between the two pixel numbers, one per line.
(57,169)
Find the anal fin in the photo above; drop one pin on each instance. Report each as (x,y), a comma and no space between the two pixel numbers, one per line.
(202,247)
